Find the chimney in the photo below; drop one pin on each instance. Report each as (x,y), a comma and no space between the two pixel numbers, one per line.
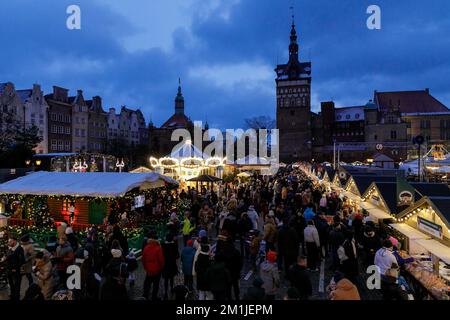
(79,92)
(37,87)
(112,110)
(427,90)
(60,94)
(97,102)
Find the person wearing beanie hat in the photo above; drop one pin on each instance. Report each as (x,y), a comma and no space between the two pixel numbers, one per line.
(270,275)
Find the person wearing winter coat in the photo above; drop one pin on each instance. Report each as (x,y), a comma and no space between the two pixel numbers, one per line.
(61,230)
(288,244)
(336,238)
(64,257)
(188,227)
(33,293)
(270,275)
(119,236)
(384,258)
(253,216)
(72,239)
(348,258)
(187,262)
(370,243)
(116,273)
(14,260)
(153,261)
(201,265)
(256,292)
(43,271)
(29,253)
(270,233)
(170,270)
(219,278)
(233,263)
(300,279)
(341,288)
(390,288)
(312,243)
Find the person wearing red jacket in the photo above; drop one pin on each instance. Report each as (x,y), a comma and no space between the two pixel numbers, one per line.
(153,261)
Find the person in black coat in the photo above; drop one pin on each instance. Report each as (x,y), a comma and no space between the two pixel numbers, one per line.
(256,292)
(170,270)
(336,238)
(15,258)
(300,279)
(390,289)
(233,262)
(288,244)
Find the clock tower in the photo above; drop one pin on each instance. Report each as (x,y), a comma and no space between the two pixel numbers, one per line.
(293,84)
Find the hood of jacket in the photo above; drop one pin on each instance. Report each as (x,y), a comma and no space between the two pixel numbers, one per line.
(267,266)
(345,285)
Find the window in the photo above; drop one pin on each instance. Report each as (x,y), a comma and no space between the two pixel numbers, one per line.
(54,129)
(54,144)
(77,132)
(347,117)
(393,134)
(425,124)
(60,145)
(67,145)
(375,137)
(83,132)
(68,130)
(357,116)
(60,117)
(54,117)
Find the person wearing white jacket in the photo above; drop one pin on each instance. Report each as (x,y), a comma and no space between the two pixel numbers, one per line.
(384,258)
(312,243)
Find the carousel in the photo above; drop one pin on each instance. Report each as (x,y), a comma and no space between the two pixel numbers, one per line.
(187,162)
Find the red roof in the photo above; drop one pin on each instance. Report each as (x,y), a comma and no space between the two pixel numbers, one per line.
(177,121)
(410,101)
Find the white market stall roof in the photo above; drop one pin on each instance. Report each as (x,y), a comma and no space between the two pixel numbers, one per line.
(374,211)
(187,150)
(410,232)
(438,249)
(253,160)
(88,184)
(141,170)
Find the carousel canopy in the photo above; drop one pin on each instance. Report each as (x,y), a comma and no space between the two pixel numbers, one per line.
(205,178)
(88,184)
(141,170)
(187,150)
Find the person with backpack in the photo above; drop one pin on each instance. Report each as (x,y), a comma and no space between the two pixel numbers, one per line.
(219,278)
(116,274)
(348,257)
(201,265)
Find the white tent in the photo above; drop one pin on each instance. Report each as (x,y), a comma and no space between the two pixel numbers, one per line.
(89,184)
(253,160)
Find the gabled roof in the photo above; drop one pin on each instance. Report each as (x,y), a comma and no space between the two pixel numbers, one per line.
(409,101)
(363,182)
(382,158)
(330,172)
(440,204)
(187,150)
(177,121)
(24,95)
(345,114)
(431,189)
(388,191)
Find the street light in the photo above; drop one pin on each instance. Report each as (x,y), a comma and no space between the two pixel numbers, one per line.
(38,162)
(27,162)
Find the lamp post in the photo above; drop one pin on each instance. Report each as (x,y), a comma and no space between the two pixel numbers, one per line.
(120,165)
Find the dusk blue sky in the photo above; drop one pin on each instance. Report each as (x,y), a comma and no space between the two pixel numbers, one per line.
(132,52)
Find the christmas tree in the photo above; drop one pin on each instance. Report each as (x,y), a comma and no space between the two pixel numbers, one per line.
(41,215)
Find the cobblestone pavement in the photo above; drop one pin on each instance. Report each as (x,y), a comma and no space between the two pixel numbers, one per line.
(319,279)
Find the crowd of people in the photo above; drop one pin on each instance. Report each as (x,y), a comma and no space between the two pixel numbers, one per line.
(280,228)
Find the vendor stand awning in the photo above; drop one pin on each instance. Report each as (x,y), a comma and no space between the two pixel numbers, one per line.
(375,212)
(141,170)
(410,232)
(436,248)
(88,184)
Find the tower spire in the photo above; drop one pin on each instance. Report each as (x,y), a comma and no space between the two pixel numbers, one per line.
(293,46)
(179,100)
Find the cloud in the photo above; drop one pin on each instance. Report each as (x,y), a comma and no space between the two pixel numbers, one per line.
(132,52)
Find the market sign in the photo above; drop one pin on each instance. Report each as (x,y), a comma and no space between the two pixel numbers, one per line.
(430,227)
(375,200)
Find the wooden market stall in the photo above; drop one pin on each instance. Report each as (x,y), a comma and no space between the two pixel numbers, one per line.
(80,198)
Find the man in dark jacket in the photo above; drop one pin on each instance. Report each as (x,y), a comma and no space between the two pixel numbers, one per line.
(219,278)
(288,244)
(15,258)
(336,239)
(299,278)
(233,263)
